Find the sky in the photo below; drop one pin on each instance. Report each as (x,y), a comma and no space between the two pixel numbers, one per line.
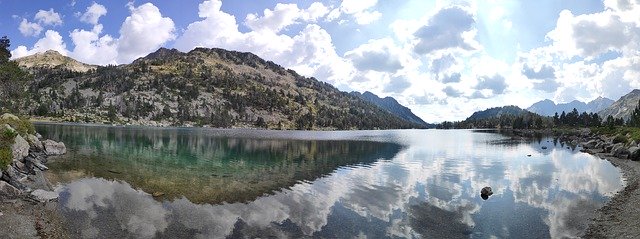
(442,59)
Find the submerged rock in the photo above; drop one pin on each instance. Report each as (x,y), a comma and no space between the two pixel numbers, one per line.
(54,148)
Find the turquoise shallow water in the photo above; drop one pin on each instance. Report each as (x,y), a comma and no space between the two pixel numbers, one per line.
(380,184)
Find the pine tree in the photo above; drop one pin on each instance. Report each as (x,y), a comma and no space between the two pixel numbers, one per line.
(634,120)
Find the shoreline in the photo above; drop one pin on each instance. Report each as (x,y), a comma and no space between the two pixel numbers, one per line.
(619,217)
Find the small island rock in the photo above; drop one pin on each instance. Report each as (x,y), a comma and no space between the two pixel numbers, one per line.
(54,148)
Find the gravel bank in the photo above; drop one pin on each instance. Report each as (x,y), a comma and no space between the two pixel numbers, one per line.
(620,217)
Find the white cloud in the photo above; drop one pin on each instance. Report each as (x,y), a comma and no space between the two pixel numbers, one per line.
(93,49)
(360,10)
(284,15)
(310,52)
(378,55)
(446,29)
(48,17)
(93,13)
(143,32)
(51,41)
(29,28)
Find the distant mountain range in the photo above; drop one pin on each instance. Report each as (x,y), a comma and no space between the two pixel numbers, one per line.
(549,108)
(497,112)
(623,107)
(390,104)
(205,87)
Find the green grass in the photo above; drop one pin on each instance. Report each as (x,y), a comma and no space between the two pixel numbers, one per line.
(623,134)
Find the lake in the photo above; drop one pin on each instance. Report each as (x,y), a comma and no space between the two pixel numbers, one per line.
(143,182)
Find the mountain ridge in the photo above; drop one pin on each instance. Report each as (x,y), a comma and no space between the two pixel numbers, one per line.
(497,112)
(548,107)
(53,59)
(205,86)
(391,104)
(623,107)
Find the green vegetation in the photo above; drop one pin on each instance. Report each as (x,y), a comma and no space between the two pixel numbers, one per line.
(205,87)
(19,126)
(13,80)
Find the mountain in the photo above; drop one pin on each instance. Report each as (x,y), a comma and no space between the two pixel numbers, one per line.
(53,59)
(623,107)
(390,104)
(549,108)
(497,112)
(206,87)
(599,104)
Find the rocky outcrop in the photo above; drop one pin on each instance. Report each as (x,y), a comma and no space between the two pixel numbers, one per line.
(20,148)
(54,148)
(28,158)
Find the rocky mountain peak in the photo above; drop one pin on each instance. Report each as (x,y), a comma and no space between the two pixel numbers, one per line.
(53,59)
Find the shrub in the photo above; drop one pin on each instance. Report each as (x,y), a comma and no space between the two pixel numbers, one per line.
(620,139)
(6,156)
(22,125)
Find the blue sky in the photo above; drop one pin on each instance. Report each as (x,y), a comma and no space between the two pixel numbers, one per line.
(443,59)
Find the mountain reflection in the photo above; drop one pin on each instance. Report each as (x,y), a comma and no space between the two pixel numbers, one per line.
(222,169)
(428,187)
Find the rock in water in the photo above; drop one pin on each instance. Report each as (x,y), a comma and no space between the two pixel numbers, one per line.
(54,148)
(486,192)
(44,196)
(20,148)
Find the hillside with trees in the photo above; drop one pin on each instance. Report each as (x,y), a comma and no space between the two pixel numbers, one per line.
(204,87)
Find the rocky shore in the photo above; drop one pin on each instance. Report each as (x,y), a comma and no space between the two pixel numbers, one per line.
(27,201)
(620,216)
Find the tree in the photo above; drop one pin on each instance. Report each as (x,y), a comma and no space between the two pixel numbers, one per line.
(5,54)
(13,80)
(634,120)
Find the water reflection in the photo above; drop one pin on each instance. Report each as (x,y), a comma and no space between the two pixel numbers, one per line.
(222,169)
(428,187)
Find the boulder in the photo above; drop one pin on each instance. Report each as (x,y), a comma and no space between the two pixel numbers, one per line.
(8,191)
(36,164)
(591,144)
(634,153)
(34,142)
(54,148)
(486,192)
(9,117)
(619,151)
(44,196)
(20,148)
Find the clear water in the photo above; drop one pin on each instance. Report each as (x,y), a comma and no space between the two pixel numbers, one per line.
(379,184)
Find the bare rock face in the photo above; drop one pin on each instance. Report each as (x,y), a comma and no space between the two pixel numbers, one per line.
(20,148)
(54,148)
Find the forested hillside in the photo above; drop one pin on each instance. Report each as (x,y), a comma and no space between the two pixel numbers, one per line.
(204,87)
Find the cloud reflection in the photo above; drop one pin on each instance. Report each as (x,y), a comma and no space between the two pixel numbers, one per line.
(424,191)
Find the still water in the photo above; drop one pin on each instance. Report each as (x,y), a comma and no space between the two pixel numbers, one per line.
(138,182)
